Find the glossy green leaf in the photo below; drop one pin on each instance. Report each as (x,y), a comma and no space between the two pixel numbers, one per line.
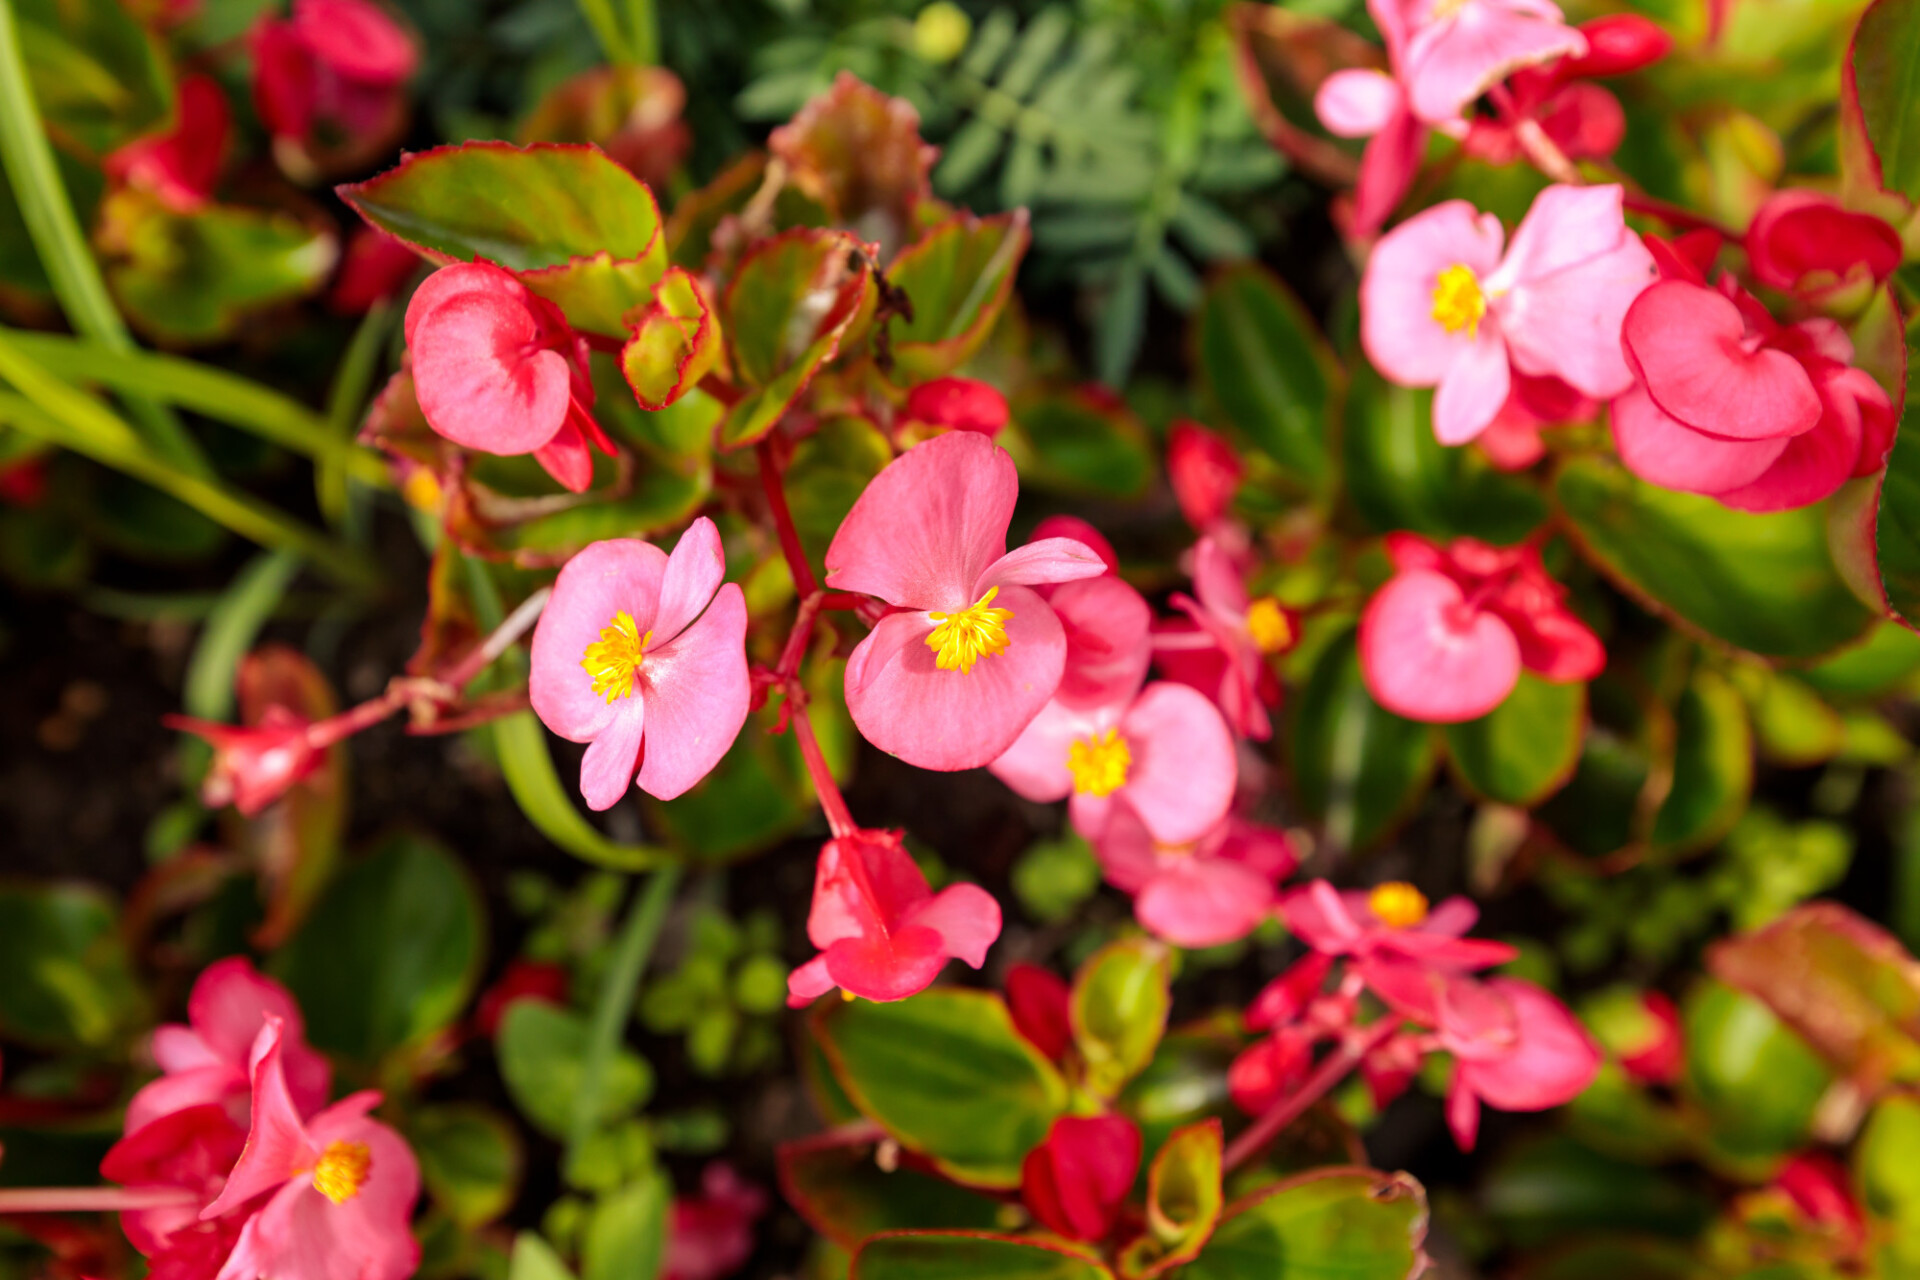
(1355,764)
(958,277)
(1080,442)
(1399,475)
(101,78)
(1712,766)
(1525,749)
(957,1256)
(1184,1200)
(390,954)
(1889,1175)
(541,1049)
(534,1259)
(470,1160)
(789,305)
(1263,363)
(1756,1081)
(586,229)
(947,1075)
(626,1234)
(1550,1189)
(69,980)
(1896,527)
(1791,723)
(1887,658)
(1603,806)
(1333,1224)
(1118,1010)
(1885,64)
(837,1185)
(195,277)
(1841,981)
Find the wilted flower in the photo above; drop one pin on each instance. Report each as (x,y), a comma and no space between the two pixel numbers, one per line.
(1076,1180)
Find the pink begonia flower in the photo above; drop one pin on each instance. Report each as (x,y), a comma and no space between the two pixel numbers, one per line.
(192,1150)
(1583,120)
(337,62)
(498,368)
(1458,49)
(960,404)
(207,1060)
(1821,1188)
(1166,755)
(1038,1001)
(374,268)
(182,165)
(1760,416)
(340,1187)
(881,932)
(1445,639)
(710,1235)
(1074,529)
(1363,103)
(1222,646)
(1204,471)
(254,765)
(971,653)
(1213,890)
(1393,942)
(1440,305)
(1108,627)
(1076,1180)
(644,656)
(1806,242)
(1515,1048)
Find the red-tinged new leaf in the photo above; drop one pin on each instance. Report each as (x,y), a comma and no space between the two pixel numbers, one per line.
(675,341)
(958,277)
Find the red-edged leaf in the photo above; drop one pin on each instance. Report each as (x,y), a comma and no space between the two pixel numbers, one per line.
(970,1255)
(1281,59)
(675,341)
(1184,1200)
(858,152)
(835,1182)
(793,299)
(958,277)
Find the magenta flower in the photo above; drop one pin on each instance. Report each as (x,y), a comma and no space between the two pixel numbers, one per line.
(340,1188)
(182,165)
(1515,1048)
(1759,415)
(970,654)
(1223,646)
(1393,942)
(1039,1001)
(1444,640)
(498,368)
(1214,890)
(1364,103)
(643,655)
(958,404)
(207,1060)
(1165,755)
(711,1235)
(881,932)
(1440,305)
(1076,1181)
(1458,49)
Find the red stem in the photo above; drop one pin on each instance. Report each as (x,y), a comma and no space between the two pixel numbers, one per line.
(1331,1071)
(770,484)
(832,803)
(92,1199)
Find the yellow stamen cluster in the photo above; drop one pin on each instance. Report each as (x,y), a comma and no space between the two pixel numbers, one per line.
(1397,904)
(1099,763)
(342,1170)
(1457,301)
(970,634)
(1267,624)
(614,659)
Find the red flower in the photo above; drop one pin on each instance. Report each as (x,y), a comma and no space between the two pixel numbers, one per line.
(254,765)
(337,62)
(711,1234)
(1661,1054)
(1038,1000)
(182,165)
(1204,471)
(1076,1181)
(523,980)
(960,404)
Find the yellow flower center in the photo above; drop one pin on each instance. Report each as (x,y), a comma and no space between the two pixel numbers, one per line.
(1099,764)
(342,1170)
(1267,624)
(1457,301)
(614,659)
(1398,904)
(970,634)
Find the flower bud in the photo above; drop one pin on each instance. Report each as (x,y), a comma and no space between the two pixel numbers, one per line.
(961,404)
(254,765)
(1617,44)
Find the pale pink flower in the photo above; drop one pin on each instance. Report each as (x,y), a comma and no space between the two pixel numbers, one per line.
(1515,1048)
(1458,49)
(1223,646)
(1210,891)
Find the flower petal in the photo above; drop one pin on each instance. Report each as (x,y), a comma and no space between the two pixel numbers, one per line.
(1203,902)
(606,770)
(1397,327)
(1182,775)
(1662,450)
(694,572)
(1035,766)
(697,691)
(1109,642)
(277,1143)
(1357,103)
(1042,563)
(1473,390)
(1685,343)
(1425,656)
(475,379)
(965,916)
(602,580)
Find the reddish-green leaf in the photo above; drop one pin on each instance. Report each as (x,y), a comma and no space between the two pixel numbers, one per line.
(1184,1199)
(790,304)
(958,277)
(958,1255)
(1119,1011)
(837,1185)
(1883,67)
(1526,748)
(675,341)
(1333,1224)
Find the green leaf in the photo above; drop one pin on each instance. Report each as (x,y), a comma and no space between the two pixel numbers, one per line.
(470,1161)
(1712,766)
(662,496)
(674,341)
(791,301)
(69,983)
(1355,764)
(390,954)
(101,79)
(1791,723)
(194,278)
(958,277)
(1757,1083)
(930,1255)
(626,1235)
(947,1075)
(534,1259)
(541,1049)
(1333,1224)
(1265,366)
(1525,749)
(1884,60)
(1887,658)
(1765,583)
(1184,1199)
(1552,1189)
(231,628)
(843,1192)
(1399,475)
(1896,528)
(1889,1175)
(1080,442)
(1119,1006)
(582,230)
(829,471)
